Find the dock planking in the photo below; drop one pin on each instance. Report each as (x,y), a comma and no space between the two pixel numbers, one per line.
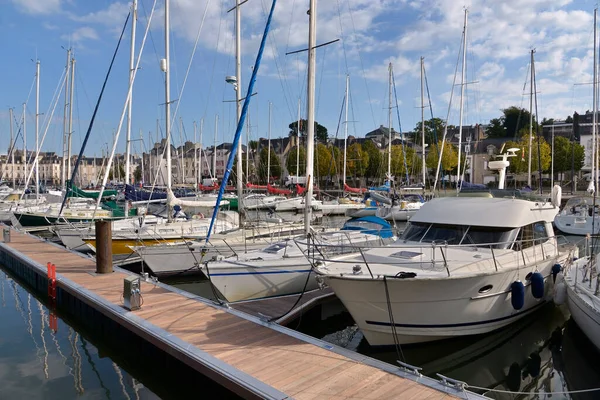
(291,365)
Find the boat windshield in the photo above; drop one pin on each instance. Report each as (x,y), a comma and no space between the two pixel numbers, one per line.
(460,234)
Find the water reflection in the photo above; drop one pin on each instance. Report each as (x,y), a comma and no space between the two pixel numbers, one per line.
(37,362)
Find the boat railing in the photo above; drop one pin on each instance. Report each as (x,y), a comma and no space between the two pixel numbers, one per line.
(431,256)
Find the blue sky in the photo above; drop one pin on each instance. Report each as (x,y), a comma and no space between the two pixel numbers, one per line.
(372,33)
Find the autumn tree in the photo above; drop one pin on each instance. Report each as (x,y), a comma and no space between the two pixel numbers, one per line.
(275,166)
(290,162)
(520,163)
(398,152)
(449,157)
(374,156)
(327,160)
(567,154)
(357,160)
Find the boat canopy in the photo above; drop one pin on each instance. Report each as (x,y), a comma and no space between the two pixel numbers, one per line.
(477,211)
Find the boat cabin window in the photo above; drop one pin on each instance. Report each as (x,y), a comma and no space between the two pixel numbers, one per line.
(275,248)
(499,237)
(532,234)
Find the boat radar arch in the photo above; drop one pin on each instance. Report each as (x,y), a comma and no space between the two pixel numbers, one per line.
(502,165)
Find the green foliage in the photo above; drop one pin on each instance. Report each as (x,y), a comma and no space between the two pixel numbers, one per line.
(253,144)
(569,120)
(496,128)
(320,130)
(137,174)
(520,163)
(515,119)
(275,167)
(548,121)
(357,160)
(397,166)
(449,157)
(120,173)
(290,163)
(563,155)
(374,156)
(433,127)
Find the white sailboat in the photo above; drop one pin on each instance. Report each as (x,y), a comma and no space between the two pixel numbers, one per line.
(464,266)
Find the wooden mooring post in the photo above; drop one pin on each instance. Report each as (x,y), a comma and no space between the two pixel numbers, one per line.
(103,247)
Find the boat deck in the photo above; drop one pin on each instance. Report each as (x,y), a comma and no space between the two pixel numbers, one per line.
(255,357)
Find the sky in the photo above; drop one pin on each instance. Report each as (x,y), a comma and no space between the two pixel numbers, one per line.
(371,33)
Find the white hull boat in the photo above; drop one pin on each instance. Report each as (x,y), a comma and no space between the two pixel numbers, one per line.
(459,269)
(579,217)
(581,281)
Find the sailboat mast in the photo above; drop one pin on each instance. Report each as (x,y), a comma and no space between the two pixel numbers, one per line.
(70,133)
(182,150)
(269,149)
(531,119)
(142,155)
(346,131)
(462,98)
(238,107)
(37,129)
(214,160)
(63,170)
(199,174)
(310,110)
(248,147)
(298,144)
(594,107)
(12,147)
(25,145)
(389,171)
(129,103)
(423,120)
(195,156)
(167,102)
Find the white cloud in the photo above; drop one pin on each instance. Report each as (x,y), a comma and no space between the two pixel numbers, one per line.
(38,6)
(79,35)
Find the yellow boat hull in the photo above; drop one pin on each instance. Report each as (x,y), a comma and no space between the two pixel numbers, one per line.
(121,246)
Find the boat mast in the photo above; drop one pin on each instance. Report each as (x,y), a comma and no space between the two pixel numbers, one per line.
(423,120)
(269,150)
(12,148)
(199,174)
(195,156)
(214,160)
(37,129)
(238,107)
(142,157)
(345,132)
(25,146)
(63,170)
(70,133)
(389,171)
(165,68)
(310,110)
(462,95)
(531,119)
(298,144)
(248,147)
(595,108)
(182,150)
(129,103)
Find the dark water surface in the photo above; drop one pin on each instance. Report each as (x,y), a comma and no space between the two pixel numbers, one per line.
(74,363)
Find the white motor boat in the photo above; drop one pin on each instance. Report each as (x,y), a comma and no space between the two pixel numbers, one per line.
(582,295)
(296,204)
(580,216)
(463,266)
(401,210)
(283,268)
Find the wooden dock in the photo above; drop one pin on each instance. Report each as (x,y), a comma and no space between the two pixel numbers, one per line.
(245,354)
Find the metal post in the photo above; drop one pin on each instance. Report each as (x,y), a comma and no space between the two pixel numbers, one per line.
(424,177)
(70,133)
(389,177)
(530,120)
(310,110)
(37,129)
(346,132)
(12,148)
(25,146)
(63,170)
(269,150)
(552,162)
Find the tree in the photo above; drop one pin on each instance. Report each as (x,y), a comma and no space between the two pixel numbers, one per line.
(320,130)
(290,162)
(137,174)
(515,119)
(374,156)
(449,157)
(275,167)
(496,128)
(434,127)
(564,157)
(520,163)
(357,160)
(548,121)
(397,166)
(324,164)
(569,120)
(120,173)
